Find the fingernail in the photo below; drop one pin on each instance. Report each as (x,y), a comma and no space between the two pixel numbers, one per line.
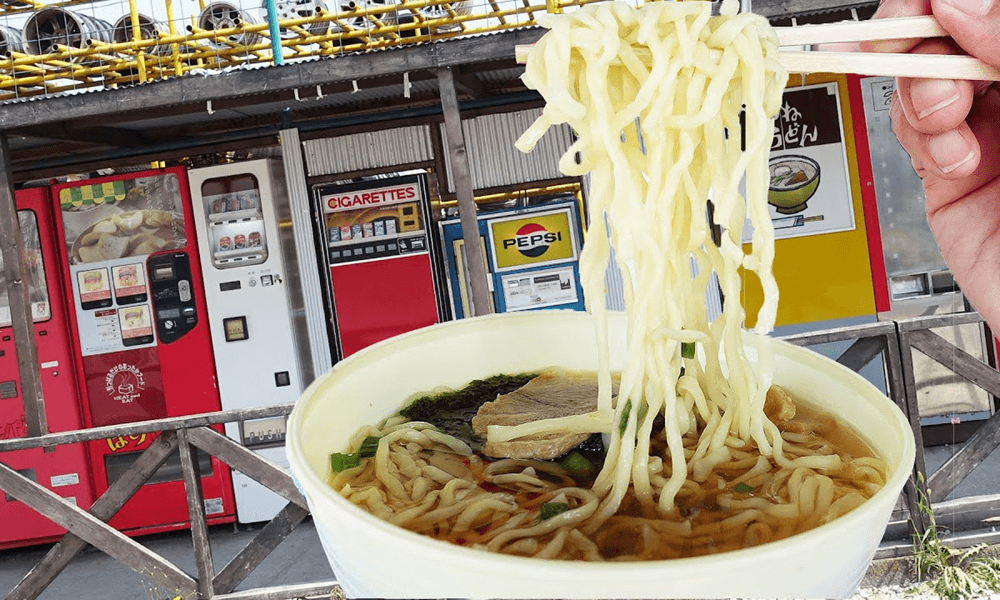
(976,8)
(931,95)
(949,150)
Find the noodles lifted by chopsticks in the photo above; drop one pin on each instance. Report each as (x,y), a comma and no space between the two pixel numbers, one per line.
(659,136)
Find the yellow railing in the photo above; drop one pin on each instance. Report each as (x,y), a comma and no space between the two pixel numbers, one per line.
(359,25)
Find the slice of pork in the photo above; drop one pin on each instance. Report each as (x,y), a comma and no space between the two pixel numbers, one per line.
(554,393)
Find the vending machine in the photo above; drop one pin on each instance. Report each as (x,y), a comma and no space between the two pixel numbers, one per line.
(255,308)
(131,270)
(532,257)
(64,469)
(379,257)
(913,278)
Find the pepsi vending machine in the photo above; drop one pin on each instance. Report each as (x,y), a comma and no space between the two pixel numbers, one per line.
(63,469)
(532,257)
(143,346)
(379,258)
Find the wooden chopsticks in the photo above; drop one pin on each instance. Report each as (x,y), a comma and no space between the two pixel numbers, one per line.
(935,66)
(938,66)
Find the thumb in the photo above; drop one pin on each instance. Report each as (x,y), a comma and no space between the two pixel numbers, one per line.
(974,25)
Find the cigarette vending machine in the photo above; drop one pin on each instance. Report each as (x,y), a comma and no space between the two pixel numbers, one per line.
(63,469)
(532,257)
(255,311)
(144,351)
(379,258)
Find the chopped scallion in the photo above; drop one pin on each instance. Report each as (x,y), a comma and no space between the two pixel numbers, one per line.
(551,509)
(577,465)
(742,488)
(623,425)
(368,447)
(341,462)
(687,349)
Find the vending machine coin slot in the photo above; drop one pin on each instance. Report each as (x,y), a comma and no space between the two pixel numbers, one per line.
(228,286)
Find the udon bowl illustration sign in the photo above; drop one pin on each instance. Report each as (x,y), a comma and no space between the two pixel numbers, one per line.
(794,179)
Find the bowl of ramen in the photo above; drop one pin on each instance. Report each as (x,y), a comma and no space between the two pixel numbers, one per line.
(420,552)
(123,234)
(794,180)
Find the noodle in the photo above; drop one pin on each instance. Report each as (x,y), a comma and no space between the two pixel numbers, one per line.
(655,156)
(703,454)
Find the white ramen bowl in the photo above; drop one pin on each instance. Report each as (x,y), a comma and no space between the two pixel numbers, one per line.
(373,559)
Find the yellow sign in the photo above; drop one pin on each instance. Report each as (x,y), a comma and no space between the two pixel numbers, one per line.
(96,193)
(533,240)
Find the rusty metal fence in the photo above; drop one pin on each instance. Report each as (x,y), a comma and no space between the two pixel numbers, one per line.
(892,342)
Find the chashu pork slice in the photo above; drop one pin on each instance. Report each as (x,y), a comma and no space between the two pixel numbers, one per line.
(553,393)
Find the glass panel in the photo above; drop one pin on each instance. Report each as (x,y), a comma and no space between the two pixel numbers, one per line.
(38,292)
(236,222)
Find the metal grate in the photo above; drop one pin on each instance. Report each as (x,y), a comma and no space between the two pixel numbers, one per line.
(8,389)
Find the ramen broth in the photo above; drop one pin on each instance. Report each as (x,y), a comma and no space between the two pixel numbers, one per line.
(737,505)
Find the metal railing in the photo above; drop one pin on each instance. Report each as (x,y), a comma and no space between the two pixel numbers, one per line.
(893,341)
(186,45)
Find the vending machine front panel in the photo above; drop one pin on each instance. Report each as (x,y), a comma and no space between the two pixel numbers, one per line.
(253,297)
(64,469)
(145,350)
(532,255)
(380,259)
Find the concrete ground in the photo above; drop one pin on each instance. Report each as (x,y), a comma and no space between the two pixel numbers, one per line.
(92,574)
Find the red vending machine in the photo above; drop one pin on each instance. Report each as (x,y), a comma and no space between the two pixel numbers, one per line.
(379,257)
(64,469)
(143,345)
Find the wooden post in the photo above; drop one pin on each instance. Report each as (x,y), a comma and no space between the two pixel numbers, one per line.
(462,176)
(196,512)
(20,304)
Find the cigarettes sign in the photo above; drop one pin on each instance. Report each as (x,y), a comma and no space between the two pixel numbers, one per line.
(367,198)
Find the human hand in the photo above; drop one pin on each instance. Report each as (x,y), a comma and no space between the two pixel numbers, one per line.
(951,129)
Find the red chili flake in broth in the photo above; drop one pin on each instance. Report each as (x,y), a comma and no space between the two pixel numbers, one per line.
(489,486)
(532,495)
(483,530)
(461,541)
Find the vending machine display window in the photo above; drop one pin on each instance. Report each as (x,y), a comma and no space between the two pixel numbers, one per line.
(38,293)
(236,221)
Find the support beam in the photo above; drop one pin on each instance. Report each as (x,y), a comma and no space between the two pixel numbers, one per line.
(97,533)
(861,352)
(20,304)
(248,462)
(39,578)
(462,177)
(259,548)
(196,512)
(107,136)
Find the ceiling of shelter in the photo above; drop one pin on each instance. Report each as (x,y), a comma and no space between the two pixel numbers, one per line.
(170,119)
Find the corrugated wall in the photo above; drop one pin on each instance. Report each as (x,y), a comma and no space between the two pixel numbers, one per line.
(493,159)
(370,150)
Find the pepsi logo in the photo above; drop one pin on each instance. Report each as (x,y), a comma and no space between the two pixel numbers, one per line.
(532,240)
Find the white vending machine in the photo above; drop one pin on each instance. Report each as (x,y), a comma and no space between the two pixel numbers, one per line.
(255,308)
